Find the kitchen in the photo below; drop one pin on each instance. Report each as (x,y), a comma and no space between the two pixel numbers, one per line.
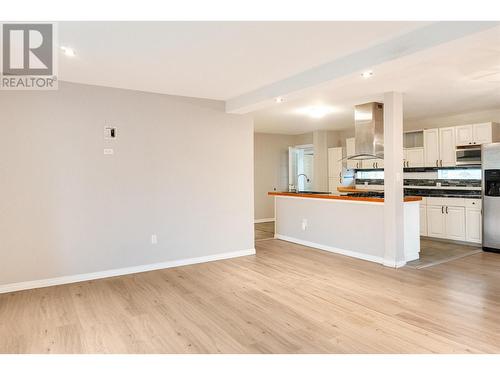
(442,177)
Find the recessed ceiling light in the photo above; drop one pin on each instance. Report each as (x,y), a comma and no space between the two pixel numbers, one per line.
(68,51)
(367,74)
(279,99)
(319,111)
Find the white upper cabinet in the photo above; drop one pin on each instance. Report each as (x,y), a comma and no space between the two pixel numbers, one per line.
(431,146)
(447,147)
(414,158)
(464,135)
(372,164)
(368,164)
(483,133)
(476,134)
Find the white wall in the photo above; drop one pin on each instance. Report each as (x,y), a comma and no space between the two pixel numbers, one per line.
(453,120)
(182,169)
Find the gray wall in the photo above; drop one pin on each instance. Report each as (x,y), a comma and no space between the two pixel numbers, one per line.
(271,170)
(182,169)
(320,175)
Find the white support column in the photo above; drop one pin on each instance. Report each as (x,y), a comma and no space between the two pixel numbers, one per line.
(320,166)
(393,180)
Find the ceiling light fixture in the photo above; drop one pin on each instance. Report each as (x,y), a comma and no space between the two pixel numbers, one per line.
(68,51)
(279,99)
(367,74)
(319,111)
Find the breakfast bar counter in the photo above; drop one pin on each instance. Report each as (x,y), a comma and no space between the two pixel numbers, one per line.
(352,226)
(339,197)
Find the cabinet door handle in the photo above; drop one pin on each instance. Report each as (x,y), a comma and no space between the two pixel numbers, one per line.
(441,163)
(437,163)
(442,210)
(408,164)
(446,210)
(374,165)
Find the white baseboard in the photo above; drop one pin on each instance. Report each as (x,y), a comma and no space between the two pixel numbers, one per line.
(120,271)
(349,253)
(395,264)
(269,219)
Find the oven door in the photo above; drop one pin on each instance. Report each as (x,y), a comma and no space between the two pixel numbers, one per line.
(468,155)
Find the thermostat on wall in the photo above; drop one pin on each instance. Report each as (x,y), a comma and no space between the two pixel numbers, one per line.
(110,132)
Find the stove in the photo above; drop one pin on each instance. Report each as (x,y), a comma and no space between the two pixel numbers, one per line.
(368,194)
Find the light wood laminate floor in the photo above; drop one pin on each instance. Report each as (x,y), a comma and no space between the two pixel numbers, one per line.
(264,231)
(286,299)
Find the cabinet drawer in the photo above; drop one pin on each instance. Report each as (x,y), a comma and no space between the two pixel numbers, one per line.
(438,201)
(473,203)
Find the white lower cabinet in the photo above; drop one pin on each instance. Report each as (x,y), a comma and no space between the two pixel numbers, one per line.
(452,218)
(473,223)
(455,223)
(423,220)
(436,222)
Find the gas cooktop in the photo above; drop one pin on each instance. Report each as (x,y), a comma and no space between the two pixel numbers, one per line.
(368,194)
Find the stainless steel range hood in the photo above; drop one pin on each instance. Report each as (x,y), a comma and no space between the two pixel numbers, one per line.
(369,131)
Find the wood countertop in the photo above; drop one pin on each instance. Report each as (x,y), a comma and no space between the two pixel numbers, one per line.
(337,197)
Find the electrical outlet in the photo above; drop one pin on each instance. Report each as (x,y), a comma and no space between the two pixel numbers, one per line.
(304,224)
(108,151)
(154,239)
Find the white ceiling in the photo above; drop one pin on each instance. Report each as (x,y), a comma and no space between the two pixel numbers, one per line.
(453,78)
(216,60)
(223,60)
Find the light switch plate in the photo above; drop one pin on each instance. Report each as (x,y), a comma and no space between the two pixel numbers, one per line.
(110,133)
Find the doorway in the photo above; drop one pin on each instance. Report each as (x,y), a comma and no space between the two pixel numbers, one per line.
(300,167)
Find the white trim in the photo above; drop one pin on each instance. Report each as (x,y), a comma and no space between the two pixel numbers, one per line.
(120,271)
(392,264)
(267,220)
(349,253)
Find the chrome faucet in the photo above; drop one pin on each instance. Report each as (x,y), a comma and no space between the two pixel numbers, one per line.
(302,174)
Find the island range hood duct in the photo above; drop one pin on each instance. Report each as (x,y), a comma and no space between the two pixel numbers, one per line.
(369,131)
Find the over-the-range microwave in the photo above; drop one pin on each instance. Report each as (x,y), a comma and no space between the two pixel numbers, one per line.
(468,155)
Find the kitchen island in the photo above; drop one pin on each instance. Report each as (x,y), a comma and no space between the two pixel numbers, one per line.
(352,226)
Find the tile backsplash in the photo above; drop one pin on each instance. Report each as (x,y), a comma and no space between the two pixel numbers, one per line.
(428,178)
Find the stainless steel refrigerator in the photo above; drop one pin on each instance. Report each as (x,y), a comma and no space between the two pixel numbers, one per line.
(491,196)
